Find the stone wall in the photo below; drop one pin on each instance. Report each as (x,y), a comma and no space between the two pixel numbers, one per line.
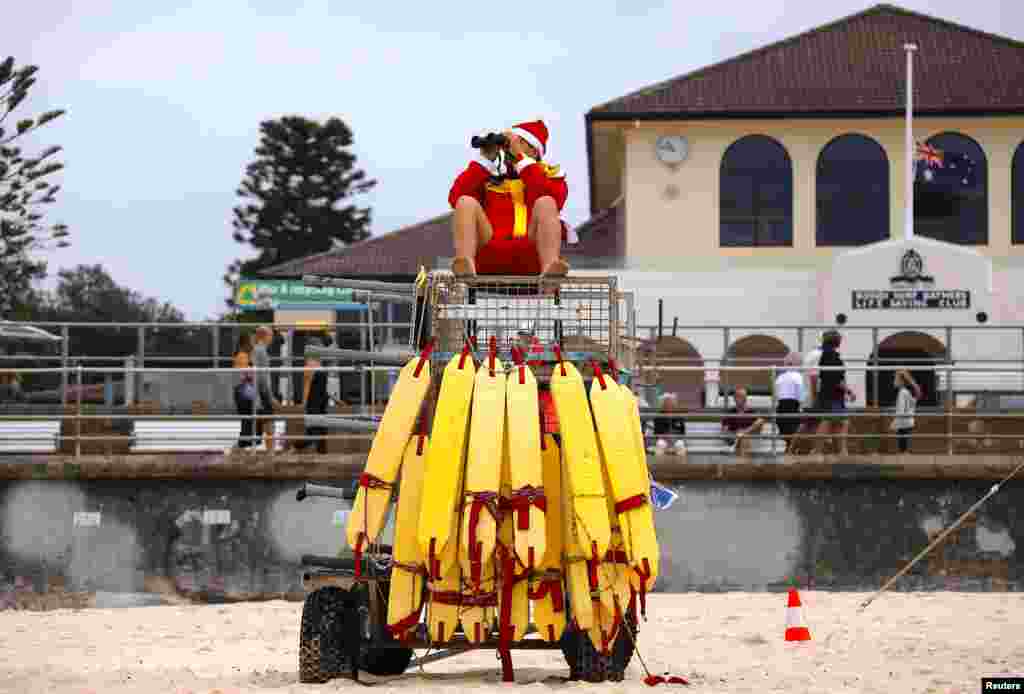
(107,543)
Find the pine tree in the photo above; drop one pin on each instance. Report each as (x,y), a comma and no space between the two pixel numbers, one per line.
(297,194)
(23,192)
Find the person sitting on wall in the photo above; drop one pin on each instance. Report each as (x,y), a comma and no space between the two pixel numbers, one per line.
(741,423)
(673,428)
(510,225)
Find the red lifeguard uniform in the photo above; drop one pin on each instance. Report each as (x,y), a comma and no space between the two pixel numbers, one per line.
(509,205)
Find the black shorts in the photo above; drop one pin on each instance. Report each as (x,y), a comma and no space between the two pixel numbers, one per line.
(788,425)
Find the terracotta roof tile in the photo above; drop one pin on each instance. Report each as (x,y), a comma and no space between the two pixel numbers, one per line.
(403,251)
(400,252)
(856,64)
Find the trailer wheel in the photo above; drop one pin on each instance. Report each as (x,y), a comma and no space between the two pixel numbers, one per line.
(382,661)
(324,650)
(588,664)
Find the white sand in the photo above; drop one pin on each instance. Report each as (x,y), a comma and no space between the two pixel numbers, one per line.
(732,642)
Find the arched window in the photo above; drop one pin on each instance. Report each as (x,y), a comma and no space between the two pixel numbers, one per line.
(1017,195)
(951,191)
(756,194)
(852,192)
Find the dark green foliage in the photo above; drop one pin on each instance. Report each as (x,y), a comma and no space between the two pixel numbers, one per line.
(23,193)
(296,194)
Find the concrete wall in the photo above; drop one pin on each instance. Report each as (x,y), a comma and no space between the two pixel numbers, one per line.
(167,541)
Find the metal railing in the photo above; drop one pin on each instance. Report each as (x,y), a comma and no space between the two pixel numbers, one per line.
(361,423)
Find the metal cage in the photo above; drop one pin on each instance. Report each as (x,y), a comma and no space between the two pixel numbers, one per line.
(581,315)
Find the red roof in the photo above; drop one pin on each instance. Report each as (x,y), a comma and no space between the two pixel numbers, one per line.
(399,252)
(403,251)
(854,65)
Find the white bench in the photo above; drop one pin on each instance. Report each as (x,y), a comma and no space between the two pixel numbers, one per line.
(152,436)
(38,436)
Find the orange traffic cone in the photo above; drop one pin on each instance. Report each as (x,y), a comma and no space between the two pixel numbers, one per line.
(796,630)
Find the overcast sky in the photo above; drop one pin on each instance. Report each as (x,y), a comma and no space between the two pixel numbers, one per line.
(164,100)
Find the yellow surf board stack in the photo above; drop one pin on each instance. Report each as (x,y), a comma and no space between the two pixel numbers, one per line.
(547,591)
(641,519)
(574,561)
(374,496)
(582,460)
(442,483)
(479,533)
(616,415)
(407,568)
(445,596)
(483,473)
(528,503)
(518,614)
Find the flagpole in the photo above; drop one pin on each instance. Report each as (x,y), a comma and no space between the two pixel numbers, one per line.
(908,222)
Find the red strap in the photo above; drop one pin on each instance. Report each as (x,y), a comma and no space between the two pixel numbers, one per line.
(558,356)
(552,587)
(370,482)
(467,349)
(631,503)
(481,501)
(517,356)
(446,597)
(521,501)
(358,554)
(480,599)
(405,623)
(540,414)
(616,557)
(644,574)
(598,375)
(422,432)
(424,356)
(493,352)
(613,369)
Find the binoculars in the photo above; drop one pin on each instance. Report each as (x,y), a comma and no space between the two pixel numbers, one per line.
(488,140)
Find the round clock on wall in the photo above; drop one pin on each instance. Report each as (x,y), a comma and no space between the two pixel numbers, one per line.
(672,150)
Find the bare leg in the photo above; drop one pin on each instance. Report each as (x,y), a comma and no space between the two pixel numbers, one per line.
(839,436)
(546,232)
(470,230)
(819,443)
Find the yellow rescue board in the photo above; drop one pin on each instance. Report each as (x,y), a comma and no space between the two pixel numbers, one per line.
(443,612)
(582,459)
(527,471)
(549,608)
(442,483)
(483,473)
(643,537)
(519,619)
(405,600)
(477,612)
(577,579)
(371,505)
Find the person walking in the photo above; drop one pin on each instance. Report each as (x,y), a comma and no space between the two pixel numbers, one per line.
(833,393)
(316,398)
(907,395)
(245,390)
(264,389)
(789,392)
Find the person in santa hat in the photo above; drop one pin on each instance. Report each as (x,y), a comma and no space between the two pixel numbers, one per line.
(511,227)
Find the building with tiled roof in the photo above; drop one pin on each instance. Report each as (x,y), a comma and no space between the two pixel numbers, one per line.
(769,188)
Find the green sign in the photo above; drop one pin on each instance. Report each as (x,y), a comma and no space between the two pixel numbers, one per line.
(266,295)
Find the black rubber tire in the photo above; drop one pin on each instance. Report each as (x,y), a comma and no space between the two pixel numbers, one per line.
(323,648)
(382,662)
(588,664)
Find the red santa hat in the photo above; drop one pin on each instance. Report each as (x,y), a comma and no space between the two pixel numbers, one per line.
(534,132)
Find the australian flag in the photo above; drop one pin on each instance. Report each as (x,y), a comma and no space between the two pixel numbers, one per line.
(938,170)
(661,496)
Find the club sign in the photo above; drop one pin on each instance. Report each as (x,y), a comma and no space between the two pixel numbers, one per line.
(911,291)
